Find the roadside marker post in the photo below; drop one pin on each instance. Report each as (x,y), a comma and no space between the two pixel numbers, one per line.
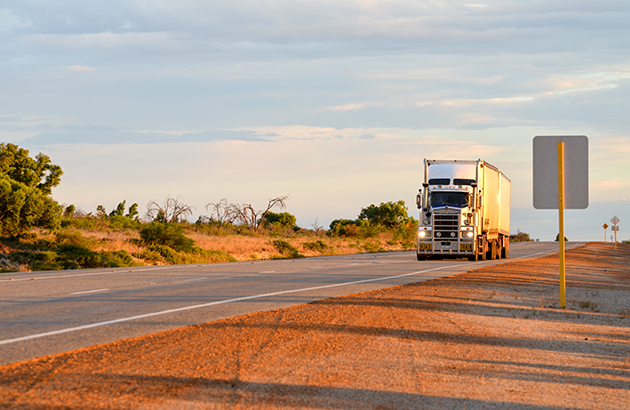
(561,182)
(605,226)
(615,228)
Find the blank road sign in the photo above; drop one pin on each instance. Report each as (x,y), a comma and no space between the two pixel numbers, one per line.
(615,220)
(545,173)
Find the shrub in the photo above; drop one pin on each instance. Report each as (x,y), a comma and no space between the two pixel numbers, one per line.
(373,247)
(317,246)
(286,249)
(116,259)
(122,222)
(169,254)
(283,219)
(170,235)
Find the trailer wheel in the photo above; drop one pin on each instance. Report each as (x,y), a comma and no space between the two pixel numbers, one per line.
(506,250)
(492,251)
(483,254)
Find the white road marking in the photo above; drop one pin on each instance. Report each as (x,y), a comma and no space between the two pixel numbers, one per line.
(244,298)
(89,291)
(194,279)
(95,273)
(203,305)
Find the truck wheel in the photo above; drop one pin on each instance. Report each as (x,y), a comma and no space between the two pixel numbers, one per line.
(483,254)
(421,257)
(506,250)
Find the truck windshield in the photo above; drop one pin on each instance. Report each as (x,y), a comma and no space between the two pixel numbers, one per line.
(449,198)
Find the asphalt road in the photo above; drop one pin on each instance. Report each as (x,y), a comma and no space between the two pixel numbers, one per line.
(43,313)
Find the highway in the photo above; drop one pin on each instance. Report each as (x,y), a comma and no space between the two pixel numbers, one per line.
(44,313)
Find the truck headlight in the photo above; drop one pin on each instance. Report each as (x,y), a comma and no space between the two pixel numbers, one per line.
(422,234)
(453,234)
(438,234)
(469,234)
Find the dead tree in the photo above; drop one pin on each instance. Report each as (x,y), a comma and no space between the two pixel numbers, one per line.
(246,214)
(221,211)
(172,210)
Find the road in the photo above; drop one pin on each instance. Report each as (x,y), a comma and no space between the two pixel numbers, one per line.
(45,313)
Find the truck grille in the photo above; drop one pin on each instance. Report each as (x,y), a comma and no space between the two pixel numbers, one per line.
(445,224)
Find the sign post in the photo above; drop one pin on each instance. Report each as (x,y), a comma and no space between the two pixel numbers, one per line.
(561,182)
(615,228)
(561,219)
(605,226)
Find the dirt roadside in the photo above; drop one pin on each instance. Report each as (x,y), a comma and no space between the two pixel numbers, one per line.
(491,338)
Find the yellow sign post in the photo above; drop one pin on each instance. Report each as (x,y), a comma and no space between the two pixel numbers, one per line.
(561,218)
(605,226)
(560,177)
(615,228)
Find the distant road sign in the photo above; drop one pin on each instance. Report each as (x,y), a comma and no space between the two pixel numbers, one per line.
(545,173)
(615,228)
(605,226)
(615,220)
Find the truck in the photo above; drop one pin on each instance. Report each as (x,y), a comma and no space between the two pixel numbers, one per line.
(464,211)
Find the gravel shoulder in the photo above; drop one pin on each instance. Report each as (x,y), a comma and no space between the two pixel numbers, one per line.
(490,338)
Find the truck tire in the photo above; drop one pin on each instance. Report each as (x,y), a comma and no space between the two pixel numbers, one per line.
(421,257)
(506,251)
(483,254)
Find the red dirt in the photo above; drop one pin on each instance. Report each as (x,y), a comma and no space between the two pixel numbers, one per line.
(491,338)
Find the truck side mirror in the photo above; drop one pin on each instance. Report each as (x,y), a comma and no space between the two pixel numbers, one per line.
(419,199)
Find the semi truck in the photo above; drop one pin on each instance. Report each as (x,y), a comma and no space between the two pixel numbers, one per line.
(464,211)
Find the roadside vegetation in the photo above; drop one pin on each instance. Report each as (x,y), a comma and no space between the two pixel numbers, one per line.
(37,233)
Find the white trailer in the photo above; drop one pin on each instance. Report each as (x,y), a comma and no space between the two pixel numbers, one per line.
(464,211)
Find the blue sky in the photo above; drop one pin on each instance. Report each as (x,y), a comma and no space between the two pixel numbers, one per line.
(335,103)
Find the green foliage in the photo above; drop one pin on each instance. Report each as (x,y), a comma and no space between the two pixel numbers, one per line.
(343,227)
(123,222)
(558,238)
(373,247)
(71,256)
(69,211)
(286,249)
(101,212)
(119,211)
(520,237)
(317,246)
(166,252)
(283,219)
(23,207)
(133,212)
(38,173)
(171,235)
(388,214)
(116,259)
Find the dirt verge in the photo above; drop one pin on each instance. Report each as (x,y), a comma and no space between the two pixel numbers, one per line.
(491,338)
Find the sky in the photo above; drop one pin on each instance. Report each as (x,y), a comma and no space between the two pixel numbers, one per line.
(334,103)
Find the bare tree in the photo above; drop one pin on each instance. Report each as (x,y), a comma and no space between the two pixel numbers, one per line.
(221,211)
(317,228)
(246,214)
(172,210)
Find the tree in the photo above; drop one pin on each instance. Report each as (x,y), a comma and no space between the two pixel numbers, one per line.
(40,173)
(558,238)
(221,211)
(120,209)
(133,212)
(25,187)
(69,211)
(172,210)
(520,237)
(388,214)
(246,215)
(283,218)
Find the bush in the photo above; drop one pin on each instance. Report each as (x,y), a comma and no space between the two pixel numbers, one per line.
(373,247)
(317,246)
(122,222)
(286,249)
(170,235)
(283,219)
(167,253)
(116,259)
(520,237)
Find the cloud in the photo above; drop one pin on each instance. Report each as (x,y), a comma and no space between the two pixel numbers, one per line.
(81,68)
(98,135)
